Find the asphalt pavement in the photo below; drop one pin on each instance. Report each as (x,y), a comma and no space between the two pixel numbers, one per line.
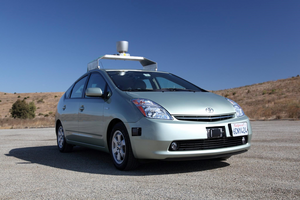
(33,168)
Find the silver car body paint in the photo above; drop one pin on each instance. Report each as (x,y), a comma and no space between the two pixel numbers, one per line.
(86,121)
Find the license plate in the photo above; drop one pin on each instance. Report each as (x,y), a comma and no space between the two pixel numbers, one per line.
(239,129)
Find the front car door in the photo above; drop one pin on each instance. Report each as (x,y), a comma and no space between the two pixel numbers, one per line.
(90,116)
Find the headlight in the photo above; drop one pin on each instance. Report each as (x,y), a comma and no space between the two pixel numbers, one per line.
(239,111)
(151,109)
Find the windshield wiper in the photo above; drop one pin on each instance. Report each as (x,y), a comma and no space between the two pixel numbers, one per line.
(137,90)
(176,89)
(163,90)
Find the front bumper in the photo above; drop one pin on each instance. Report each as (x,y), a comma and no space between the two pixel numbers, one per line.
(157,136)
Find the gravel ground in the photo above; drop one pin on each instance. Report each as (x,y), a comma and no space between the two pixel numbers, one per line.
(32,168)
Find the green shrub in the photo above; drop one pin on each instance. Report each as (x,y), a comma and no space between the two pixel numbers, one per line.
(272,92)
(41,101)
(46,115)
(32,109)
(23,110)
(18,96)
(55,96)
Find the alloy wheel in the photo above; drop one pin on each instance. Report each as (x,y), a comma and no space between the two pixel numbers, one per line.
(118,147)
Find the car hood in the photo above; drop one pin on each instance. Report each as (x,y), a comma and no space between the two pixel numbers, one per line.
(188,103)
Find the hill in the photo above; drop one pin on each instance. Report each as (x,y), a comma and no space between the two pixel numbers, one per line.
(263,101)
(269,100)
(45,103)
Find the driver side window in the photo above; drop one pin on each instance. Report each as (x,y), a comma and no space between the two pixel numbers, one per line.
(96,81)
(78,88)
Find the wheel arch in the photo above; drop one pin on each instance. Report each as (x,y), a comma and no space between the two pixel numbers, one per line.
(109,129)
(129,162)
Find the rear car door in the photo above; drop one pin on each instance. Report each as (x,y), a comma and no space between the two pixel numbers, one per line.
(70,110)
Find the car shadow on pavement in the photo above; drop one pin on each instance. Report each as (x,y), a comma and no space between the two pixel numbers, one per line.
(97,162)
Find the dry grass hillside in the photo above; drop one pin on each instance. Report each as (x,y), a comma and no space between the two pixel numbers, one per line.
(264,101)
(270,100)
(44,114)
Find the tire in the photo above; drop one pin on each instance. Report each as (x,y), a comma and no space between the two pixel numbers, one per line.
(224,158)
(62,144)
(120,148)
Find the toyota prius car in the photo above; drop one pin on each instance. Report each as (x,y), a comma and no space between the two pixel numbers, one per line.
(136,115)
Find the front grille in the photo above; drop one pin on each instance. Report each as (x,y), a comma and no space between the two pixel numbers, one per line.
(204,118)
(212,143)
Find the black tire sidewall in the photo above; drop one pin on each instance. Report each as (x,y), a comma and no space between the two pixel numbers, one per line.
(120,127)
(64,146)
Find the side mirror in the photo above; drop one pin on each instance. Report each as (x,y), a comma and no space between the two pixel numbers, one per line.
(93,92)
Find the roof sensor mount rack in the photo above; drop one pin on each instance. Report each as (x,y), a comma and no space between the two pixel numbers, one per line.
(122,48)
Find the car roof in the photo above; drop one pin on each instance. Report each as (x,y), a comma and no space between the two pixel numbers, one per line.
(133,70)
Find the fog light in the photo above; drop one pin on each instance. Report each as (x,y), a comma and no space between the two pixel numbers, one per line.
(243,140)
(174,146)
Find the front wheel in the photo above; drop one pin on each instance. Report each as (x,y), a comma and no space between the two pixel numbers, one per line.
(223,158)
(120,148)
(62,144)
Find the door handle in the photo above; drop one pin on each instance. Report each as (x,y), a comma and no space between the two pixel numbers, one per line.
(81,108)
(64,108)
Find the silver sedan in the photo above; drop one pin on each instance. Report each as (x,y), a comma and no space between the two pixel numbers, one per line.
(148,115)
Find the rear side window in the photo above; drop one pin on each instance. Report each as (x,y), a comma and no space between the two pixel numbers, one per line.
(78,88)
(68,92)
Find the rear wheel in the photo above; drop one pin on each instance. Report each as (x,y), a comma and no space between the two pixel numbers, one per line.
(120,149)
(62,144)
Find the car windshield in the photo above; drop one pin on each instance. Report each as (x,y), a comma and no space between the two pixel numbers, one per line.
(150,81)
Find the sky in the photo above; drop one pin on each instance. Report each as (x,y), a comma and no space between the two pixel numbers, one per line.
(45,45)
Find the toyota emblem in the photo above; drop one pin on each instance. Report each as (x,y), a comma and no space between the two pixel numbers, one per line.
(209,110)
